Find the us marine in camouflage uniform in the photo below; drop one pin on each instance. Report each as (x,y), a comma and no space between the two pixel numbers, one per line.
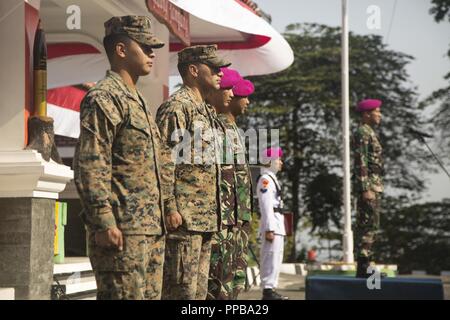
(368,183)
(197,174)
(229,246)
(117,169)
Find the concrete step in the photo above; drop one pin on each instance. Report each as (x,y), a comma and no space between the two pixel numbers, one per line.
(419,273)
(7,293)
(74,279)
(77,285)
(72,265)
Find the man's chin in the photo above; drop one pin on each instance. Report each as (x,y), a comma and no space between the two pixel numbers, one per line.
(145,72)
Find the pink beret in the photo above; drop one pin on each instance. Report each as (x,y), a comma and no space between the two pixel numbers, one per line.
(243,88)
(230,78)
(273,153)
(368,104)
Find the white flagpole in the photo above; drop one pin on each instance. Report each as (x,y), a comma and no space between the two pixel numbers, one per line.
(348,234)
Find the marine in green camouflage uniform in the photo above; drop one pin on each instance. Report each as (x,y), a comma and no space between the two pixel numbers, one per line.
(367,175)
(196,188)
(119,177)
(230,245)
(227,274)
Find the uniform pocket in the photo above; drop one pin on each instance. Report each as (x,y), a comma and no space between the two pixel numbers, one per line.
(138,120)
(111,259)
(179,261)
(185,271)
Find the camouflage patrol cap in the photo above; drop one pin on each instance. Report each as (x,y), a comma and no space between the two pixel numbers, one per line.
(137,28)
(206,54)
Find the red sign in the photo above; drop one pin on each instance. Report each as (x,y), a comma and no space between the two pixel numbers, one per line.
(176,19)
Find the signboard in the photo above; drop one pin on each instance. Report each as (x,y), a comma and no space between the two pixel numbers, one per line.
(176,19)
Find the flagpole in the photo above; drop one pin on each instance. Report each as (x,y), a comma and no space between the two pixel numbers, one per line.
(348,234)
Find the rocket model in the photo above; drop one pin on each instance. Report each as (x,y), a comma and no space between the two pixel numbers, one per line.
(40,73)
(40,126)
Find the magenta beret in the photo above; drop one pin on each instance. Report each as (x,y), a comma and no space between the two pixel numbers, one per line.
(368,104)
(273,153)
(243,88)
(230,78)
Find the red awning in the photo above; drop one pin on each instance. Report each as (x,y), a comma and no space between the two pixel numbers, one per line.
(245,39)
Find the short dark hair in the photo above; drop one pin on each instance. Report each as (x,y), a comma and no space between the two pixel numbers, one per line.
(184,67)
(110,42)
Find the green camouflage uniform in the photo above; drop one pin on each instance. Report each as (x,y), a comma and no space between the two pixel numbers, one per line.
(188,249)
(367,175)
(229,246)
(120,181)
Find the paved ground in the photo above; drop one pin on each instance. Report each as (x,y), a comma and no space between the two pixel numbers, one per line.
(293,286)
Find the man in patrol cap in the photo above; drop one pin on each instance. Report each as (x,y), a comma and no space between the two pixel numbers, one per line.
(271,229)
(197,176)
(368,182)
(118,169)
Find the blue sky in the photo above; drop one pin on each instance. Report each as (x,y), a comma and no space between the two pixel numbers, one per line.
(413,30)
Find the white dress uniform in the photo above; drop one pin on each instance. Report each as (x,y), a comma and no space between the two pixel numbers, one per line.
(270,204)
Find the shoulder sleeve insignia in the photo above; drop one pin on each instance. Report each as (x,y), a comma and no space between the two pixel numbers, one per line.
(264,185)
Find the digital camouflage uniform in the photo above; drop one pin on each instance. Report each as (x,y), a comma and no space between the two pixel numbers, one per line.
(229,246)
(188,249)
(120,181)
(367,175)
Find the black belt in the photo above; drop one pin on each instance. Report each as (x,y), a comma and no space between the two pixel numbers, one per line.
(279,210)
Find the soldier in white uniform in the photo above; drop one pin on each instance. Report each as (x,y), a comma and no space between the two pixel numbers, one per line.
(271,228)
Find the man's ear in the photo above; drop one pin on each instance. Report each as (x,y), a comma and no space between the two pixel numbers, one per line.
(120,49)
(193,70)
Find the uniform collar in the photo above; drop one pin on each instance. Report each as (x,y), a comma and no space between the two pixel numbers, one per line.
(124,87)
(367,126)
(226,119)
(192,95)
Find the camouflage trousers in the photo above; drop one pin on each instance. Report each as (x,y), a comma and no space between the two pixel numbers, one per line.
(367,225)
(186,265)
(135,273)
(228,267)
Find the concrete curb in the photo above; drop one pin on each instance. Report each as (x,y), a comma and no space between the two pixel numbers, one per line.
(294,268)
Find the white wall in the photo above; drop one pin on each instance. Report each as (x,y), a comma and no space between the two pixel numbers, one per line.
(12,75)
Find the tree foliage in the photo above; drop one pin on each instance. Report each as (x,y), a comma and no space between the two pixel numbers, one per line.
(415,237)
(304,103)
(440,9)
(441,118)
